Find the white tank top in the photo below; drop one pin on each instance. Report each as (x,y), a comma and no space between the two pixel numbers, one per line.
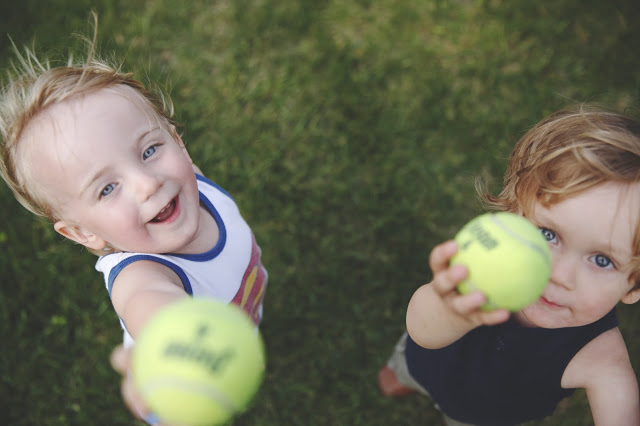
(231,271)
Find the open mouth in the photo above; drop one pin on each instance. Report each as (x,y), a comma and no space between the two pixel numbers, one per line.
(166,212)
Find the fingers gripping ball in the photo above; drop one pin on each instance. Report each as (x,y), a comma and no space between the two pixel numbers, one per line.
(198,362)
(507,257)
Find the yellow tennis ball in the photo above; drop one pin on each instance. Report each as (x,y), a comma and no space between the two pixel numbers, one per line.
(198,362)
(507,257)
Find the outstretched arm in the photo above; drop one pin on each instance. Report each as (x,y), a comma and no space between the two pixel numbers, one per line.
(140,290)
(437,314)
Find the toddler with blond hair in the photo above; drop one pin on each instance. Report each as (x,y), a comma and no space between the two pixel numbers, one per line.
(89,148)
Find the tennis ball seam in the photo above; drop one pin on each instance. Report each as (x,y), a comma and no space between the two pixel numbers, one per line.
(519,238)
(208,391)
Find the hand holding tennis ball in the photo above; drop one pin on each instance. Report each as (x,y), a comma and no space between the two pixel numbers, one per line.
(198,362)
(507,257)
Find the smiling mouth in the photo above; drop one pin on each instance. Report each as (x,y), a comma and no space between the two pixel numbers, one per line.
(166,212)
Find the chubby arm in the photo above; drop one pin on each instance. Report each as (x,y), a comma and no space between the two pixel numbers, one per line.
(437,314)
(141,289)
(604,370)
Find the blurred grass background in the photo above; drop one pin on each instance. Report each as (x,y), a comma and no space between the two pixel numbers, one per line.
(349,133)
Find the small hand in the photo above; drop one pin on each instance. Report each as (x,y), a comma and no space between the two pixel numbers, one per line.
(121,362)
(445,281)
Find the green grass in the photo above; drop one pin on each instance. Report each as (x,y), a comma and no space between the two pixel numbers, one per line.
(349,134)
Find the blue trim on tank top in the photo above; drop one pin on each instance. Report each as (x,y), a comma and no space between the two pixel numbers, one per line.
(128,261)
(202,257)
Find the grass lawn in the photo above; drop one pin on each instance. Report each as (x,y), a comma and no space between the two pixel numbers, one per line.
(349,133)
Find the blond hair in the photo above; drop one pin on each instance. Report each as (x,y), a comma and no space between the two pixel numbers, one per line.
(33,86)
(568,152)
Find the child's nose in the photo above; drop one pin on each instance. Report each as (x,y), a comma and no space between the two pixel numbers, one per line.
(563,270)
(146,185)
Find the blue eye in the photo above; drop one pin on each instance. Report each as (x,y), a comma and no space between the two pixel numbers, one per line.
(149,152)
(602,261)
(548,234)
(107,190)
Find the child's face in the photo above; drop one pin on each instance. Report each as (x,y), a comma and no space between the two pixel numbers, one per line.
(113,174)
(590,236)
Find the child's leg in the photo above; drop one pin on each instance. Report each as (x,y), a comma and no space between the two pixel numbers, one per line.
(394,379)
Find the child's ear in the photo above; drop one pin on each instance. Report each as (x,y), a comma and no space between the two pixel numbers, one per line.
(631,297)
(79,235)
